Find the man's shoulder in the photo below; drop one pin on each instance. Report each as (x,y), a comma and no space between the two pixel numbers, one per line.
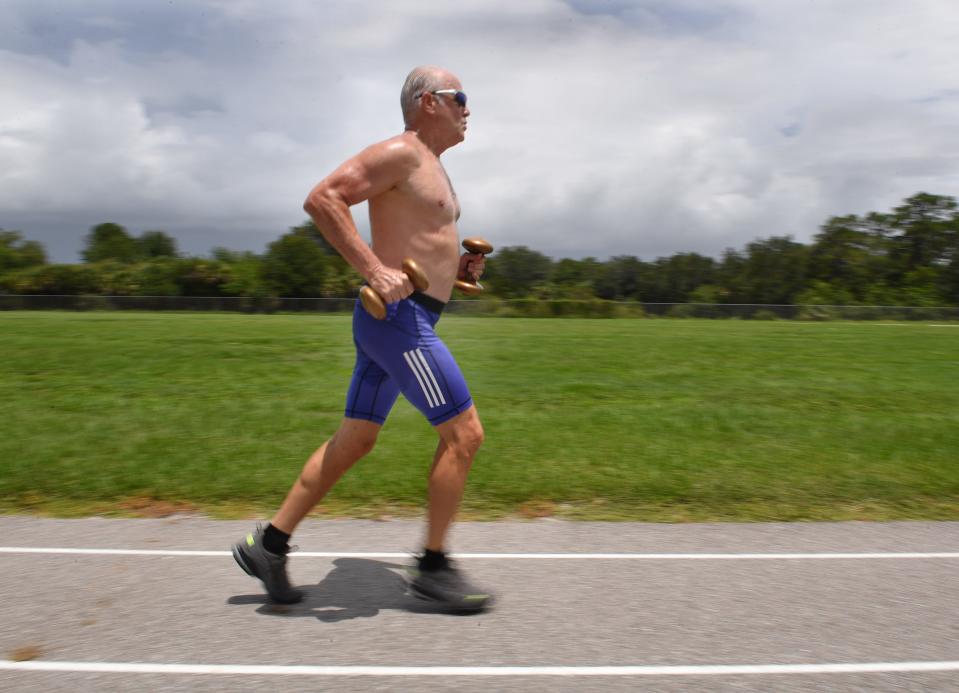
(401,149)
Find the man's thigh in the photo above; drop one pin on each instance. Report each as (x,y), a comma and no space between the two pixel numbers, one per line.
(415,361)
(372,392)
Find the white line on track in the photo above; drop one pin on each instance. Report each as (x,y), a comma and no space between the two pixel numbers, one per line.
(383,671)
(542,556)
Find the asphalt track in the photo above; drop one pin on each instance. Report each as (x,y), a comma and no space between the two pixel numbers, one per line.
(106,604)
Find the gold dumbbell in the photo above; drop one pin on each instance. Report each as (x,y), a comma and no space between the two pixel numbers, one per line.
(374,303)
(476,246)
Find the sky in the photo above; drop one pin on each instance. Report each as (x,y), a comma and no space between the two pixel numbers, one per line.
(598,128)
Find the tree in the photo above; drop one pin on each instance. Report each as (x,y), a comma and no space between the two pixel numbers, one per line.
(153,244)
(196,276)
(775,270)
(294,266)
(853,254)
(949,281)
(245,272)
(730,278)
(820,293)
(706,293)
(927,226)
(16,253)
(158,277)
(621,278)
(675,278)
(110,241)
(339,277)
(513,271)
(572,279)
(53,280)
(568,272)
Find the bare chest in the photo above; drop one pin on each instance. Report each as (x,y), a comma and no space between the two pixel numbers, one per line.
(431,192)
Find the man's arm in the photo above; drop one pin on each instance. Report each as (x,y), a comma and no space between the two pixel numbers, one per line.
(371,172)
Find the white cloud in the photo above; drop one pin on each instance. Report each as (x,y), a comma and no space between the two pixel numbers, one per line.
(647,128)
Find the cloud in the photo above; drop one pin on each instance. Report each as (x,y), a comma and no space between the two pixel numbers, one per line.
(639,127)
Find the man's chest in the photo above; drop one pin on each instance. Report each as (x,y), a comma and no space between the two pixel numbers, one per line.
(431,191)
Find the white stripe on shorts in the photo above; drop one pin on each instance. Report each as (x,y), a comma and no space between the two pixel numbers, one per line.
(429,372)
(415,367)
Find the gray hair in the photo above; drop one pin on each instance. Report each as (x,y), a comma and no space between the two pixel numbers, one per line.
(420,80)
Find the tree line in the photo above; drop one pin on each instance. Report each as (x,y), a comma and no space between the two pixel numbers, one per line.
(908,256)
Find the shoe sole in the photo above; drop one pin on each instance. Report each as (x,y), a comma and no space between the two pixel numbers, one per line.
(458,607)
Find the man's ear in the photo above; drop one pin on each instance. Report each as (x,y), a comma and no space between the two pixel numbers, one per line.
(429,102)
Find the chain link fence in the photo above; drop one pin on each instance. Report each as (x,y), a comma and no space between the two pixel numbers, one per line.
(593,308)
(231,304)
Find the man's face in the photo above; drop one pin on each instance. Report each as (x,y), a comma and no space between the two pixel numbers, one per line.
(451,109)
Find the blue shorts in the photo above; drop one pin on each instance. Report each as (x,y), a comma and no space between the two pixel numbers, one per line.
(403,354)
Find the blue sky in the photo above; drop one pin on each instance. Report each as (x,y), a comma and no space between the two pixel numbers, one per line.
(643,127)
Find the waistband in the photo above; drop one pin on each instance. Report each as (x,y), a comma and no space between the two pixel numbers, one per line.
(432,304)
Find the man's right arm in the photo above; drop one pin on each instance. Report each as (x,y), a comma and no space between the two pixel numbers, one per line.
(370,173)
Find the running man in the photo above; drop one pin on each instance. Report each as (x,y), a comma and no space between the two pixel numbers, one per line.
(413,212)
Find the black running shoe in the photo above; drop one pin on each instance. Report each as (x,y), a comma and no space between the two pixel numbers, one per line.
(449,587)
(269,567)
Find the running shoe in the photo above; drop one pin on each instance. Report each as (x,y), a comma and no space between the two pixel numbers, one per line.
(268,567)
(449,587)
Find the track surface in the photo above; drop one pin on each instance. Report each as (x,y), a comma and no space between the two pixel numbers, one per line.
(858,606)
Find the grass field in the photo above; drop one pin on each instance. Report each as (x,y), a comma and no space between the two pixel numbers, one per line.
(660,420)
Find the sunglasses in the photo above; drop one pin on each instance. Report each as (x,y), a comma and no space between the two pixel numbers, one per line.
(458,96)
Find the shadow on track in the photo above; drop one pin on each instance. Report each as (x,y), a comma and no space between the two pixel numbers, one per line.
(355,588)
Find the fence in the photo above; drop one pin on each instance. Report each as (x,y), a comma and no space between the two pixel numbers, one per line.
(526,307)
(234,304)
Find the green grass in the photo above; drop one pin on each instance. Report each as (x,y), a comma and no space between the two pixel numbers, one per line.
(663,420)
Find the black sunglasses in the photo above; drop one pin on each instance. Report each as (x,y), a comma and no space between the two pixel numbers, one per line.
(458,96)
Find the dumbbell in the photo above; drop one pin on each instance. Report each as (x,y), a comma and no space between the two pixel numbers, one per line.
(476,246)
(374,303)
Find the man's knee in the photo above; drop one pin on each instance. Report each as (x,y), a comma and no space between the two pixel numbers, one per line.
(475,436)
(356,438)
(464,435)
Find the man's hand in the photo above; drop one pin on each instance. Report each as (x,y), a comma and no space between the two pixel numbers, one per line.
(391,284)
(471,267)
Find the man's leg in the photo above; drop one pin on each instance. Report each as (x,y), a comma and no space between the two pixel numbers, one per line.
(435,578)
(352,441)
(419,365)
(460,439)
(262,553)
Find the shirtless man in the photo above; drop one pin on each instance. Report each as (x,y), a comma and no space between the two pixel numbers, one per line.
(413,213)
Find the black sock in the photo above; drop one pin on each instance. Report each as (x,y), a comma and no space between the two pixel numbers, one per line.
(432,560)
(275,541)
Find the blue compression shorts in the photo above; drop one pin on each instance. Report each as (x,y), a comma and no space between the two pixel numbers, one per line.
(403,354)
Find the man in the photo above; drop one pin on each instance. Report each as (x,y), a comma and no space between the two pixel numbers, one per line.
(413,212)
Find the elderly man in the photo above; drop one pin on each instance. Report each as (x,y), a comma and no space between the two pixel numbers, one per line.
(413,213)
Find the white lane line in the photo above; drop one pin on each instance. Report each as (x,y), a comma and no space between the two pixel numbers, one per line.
(292,670)
(542,556)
